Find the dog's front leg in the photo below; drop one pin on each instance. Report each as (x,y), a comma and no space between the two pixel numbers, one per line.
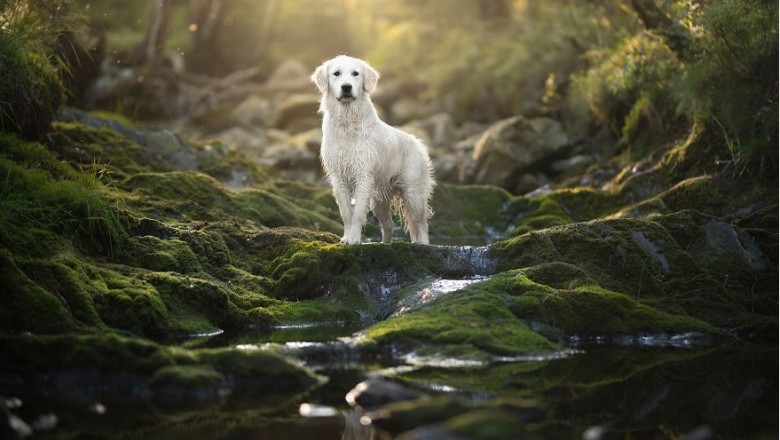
(359,213)
(344,201)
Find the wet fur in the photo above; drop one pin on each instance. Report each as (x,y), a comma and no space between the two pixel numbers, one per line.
(366,160)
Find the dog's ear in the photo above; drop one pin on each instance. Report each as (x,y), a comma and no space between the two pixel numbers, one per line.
(320,77)
(370,78)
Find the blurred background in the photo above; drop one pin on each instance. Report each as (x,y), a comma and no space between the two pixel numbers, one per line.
(619,79)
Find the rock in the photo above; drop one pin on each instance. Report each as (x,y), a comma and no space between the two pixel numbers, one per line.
(575,162)
(516,146)
(297,113)
(391,90)
(432,432)
(289,70)
(133,370)
(440,130)
(407,109)
(252,112)
(464,151)
(172,149)
(253,140)
(374,393)
(297,156)
(446,167)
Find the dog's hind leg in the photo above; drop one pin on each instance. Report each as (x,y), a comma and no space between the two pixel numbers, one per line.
(416,218)
(385,217)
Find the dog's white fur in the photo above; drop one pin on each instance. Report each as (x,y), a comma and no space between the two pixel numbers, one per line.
(370,164)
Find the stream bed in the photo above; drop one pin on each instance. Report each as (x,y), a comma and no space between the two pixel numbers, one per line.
(596,390)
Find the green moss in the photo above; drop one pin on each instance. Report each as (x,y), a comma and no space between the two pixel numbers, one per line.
(183,196)
(32,356)
(466,211)
(309,312)
(186,376)
(132,305)
(177,195)
(39,192)
(663,263)
(306,269)
(274,210)
(71,280)
(162,255)
(31,90)
(488,424)
(27,307)
(112,116)
(80,144)
(399,417)
(578,306)
(560,207)
(195,304)
(475,318)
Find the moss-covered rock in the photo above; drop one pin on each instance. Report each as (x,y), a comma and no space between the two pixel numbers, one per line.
(156,254)
(113,367)
(665,263)
(465,325)
(26,307)
(463,212)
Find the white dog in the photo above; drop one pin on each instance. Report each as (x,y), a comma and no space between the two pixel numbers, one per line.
(370,164)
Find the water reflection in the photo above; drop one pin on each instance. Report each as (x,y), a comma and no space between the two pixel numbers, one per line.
(602,392)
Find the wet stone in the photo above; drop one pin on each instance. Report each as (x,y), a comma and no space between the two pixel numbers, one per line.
(374,393)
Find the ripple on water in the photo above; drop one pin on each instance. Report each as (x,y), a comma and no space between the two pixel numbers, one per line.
(659,340)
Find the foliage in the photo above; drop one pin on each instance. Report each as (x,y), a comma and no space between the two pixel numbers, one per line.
(490,68)
(37,192)
(732,83)
(621,82)
(32,88)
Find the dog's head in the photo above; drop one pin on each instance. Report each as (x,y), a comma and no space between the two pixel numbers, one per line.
(345,78)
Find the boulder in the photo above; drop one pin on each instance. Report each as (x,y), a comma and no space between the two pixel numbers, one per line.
(289,70)
(516,146)
(374,393)
(407,109)
(297,157)
(252,112)
(440,130)
(297,113)
(244,138)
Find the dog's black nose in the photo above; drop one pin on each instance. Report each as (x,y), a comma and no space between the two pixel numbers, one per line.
(346,87)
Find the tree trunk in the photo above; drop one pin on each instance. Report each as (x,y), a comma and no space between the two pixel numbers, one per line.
(654,19)
(157,33)
(495,10)
(205,15)
(267,27)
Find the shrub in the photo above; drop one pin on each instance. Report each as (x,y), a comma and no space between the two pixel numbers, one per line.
(623,82)
(732,83)
(31,89)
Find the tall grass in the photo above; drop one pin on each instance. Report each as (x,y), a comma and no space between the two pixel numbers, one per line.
(38,193)
(31,89)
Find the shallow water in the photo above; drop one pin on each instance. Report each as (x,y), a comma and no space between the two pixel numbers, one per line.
(598,391)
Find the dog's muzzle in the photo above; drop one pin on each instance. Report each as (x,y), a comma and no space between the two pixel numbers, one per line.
(346,93)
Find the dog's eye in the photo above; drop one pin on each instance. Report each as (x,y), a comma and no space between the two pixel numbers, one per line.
(336,73)
(354,73)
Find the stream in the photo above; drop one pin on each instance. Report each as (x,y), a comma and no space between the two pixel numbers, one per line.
(596,390)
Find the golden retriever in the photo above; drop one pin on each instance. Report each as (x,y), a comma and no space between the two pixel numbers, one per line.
(370,165)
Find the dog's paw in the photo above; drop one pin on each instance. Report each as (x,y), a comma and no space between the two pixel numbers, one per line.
(351,239)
